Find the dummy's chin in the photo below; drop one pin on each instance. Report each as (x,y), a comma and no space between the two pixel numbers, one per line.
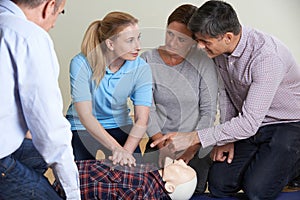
(184,191)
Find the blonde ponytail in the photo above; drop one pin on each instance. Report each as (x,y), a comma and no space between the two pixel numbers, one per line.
(91,48)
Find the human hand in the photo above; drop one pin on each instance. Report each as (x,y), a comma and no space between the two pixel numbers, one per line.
(186,157)
(189,153)
(28,135)
(177,141)
(163,153)
(122,157)
(220,153)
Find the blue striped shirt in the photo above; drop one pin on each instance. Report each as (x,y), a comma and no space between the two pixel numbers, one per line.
(30,95)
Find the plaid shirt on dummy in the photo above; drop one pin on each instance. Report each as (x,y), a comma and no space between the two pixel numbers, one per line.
(99,179)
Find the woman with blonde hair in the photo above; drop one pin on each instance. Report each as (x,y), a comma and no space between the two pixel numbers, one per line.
(103,76)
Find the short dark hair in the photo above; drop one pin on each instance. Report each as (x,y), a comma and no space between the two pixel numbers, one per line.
(182,14)
(215,18)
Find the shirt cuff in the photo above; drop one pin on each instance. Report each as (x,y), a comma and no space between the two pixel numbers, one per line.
(206,137)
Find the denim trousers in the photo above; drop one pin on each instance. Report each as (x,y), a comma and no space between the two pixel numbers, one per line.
(22,175)
(262,165)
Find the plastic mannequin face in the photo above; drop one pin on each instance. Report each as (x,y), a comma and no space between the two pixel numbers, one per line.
(180,179)
(184,191)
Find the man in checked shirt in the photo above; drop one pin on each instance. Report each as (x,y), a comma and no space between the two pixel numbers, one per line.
(257,144)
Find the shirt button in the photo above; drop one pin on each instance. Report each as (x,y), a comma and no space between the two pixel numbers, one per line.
(3,174)
(231,81)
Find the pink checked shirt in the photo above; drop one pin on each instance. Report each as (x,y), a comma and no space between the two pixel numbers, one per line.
(262,86)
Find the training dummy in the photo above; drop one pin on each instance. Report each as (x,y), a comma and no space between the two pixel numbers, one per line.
(100,179)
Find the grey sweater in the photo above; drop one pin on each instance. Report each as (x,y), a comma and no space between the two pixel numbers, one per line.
(185,95)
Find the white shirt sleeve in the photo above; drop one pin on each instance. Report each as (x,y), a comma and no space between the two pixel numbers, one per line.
(42,105)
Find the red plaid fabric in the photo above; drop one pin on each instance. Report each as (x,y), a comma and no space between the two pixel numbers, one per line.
(102,180)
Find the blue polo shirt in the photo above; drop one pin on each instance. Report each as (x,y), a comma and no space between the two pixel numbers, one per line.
(133,80)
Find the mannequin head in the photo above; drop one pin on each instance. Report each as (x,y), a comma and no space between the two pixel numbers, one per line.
(180,179)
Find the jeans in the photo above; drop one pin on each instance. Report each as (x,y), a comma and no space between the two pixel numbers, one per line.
(262,165)
(22,175)
(85,146)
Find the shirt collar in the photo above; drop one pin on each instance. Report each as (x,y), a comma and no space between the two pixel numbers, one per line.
(11,7)
(123,70)
(242,43)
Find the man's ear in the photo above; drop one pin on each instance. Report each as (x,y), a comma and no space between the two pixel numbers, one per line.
(228,37)
(109,44)
(49,8)
(170,187)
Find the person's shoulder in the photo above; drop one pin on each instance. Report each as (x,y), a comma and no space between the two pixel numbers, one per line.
(149,54)
(198,58)
(260,42)
(80,57)
(250,31)
(23,28)
(13,19)
(257,37)
(197,53)
(79,62)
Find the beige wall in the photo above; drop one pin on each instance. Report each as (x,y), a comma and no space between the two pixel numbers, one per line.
(277,17)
